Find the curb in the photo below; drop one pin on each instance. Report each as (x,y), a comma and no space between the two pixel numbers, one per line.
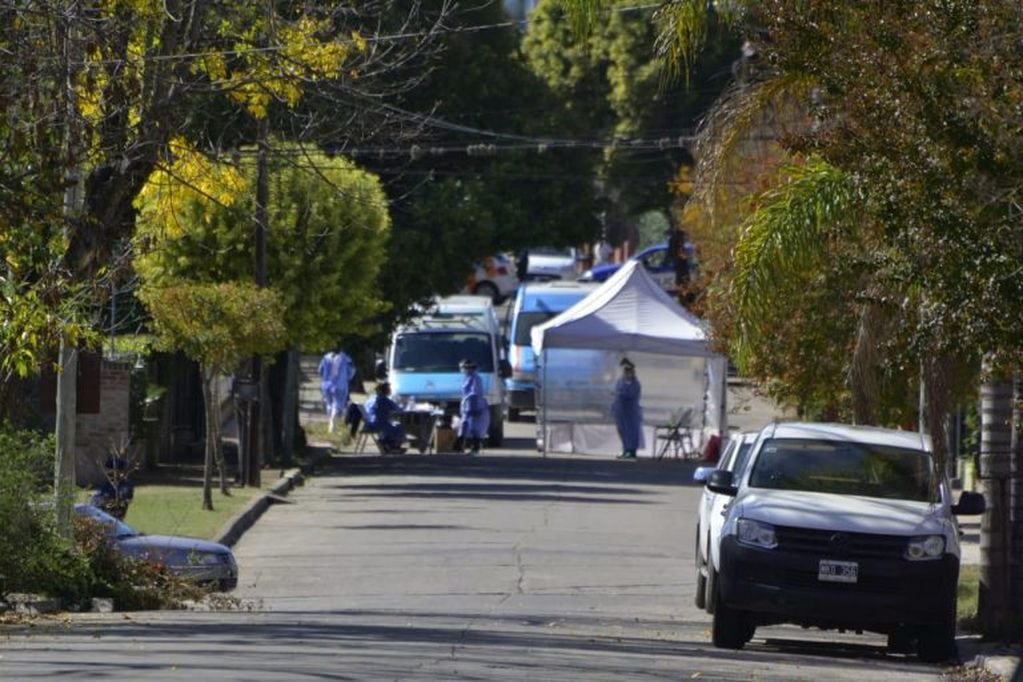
(245,519)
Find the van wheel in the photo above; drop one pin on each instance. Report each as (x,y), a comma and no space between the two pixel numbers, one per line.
(495,436)
(513,414)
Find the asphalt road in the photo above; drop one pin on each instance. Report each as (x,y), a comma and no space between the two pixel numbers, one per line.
(503,566)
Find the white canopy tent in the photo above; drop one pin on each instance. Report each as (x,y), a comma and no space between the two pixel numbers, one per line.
(578,353)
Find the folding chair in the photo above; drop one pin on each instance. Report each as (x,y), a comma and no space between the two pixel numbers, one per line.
(675,436)
(364,436)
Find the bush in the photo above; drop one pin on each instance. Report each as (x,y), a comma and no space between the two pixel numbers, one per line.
(27,542)
(35,559)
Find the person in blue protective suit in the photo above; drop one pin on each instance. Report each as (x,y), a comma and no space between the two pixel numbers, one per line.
(336,372)
(379,410)
(474,410)
(627,412)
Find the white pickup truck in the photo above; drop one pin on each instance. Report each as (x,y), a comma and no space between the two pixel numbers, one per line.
(837,527)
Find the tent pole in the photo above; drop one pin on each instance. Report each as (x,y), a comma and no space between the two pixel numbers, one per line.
(543,393)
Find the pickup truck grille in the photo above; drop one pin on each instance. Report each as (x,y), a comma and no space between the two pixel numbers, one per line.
(837,544)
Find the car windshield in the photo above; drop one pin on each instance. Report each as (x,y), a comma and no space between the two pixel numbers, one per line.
(844,468)
(480,315)
(525,322)
(440,352)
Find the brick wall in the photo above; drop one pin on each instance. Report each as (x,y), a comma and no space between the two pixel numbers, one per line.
(96,432)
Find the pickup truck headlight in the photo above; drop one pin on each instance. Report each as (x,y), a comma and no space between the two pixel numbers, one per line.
(925,548)
(756,534)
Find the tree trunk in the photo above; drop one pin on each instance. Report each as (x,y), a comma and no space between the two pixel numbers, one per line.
(214,428)
(995,466)
(207,469)
(289,407)
(1016,501)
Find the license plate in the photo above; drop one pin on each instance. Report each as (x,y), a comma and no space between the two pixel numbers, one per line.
(838,571)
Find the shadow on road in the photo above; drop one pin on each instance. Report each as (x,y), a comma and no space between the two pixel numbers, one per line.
(577,643)
(643,472)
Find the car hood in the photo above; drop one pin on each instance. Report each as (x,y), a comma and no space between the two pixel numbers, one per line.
(828,511)
(165,547)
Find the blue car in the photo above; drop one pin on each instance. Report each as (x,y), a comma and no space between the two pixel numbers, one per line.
(655,260)
(199,561)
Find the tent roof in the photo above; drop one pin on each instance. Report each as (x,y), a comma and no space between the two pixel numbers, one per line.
(630,312)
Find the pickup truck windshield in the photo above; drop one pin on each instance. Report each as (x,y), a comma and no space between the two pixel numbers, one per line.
(440,352)
(844,468)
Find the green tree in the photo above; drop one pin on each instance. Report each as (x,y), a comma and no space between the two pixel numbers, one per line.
(618,88)
(216,325)
(330,227)
(916,105)
(478,180)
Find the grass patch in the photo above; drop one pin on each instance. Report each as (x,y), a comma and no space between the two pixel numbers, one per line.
(168,501)
(177,510)
(317,431)
(969,587)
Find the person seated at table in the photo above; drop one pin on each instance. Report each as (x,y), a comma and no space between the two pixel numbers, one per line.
(379,411)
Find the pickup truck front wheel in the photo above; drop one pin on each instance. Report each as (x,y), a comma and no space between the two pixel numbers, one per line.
(700,598)
(937,643)
(732,628)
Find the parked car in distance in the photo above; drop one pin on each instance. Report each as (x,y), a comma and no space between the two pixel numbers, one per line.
(654,258)
(535,303)
(422,363)
(494,277)
(549,263)
(199,561)
(838,527)
(710,519)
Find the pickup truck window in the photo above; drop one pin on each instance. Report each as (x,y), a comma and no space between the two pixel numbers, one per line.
(844,468)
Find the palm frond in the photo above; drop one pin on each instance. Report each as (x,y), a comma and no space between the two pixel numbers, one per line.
(744,129)
(785,238)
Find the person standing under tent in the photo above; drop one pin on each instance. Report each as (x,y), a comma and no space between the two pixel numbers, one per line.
(627,412)
(336,372)
(474,410)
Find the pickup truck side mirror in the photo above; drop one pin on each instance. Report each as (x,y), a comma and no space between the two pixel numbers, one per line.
(504,368)
(722,482)
(702,474)
(969,504)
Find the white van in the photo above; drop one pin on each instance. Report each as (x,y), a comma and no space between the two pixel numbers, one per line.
(838,527)
(422,363)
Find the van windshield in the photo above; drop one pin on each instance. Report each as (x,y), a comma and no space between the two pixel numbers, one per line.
(441,352)
(844,468)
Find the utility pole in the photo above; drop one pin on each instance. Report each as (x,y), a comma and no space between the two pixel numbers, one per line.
(67,362)
(257,443)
